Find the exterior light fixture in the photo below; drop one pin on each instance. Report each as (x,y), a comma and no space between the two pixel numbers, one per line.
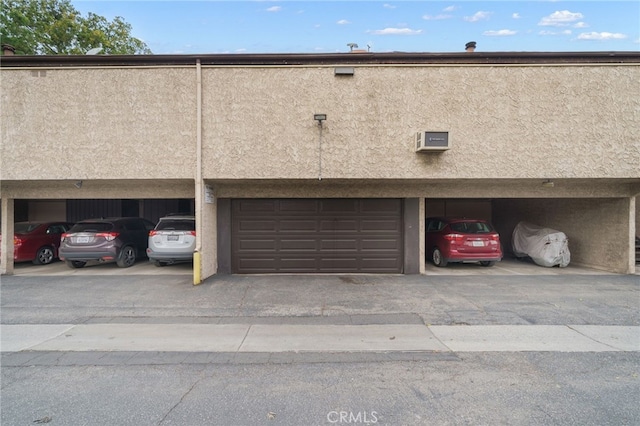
(319,118)
(78,184)
(343,71)
(548,183)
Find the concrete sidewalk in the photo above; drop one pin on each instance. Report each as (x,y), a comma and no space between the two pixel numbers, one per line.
(271,338)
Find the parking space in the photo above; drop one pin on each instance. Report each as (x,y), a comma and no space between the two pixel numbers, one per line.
(510,266)
(142,267)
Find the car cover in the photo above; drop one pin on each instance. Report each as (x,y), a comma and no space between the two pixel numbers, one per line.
(545,246)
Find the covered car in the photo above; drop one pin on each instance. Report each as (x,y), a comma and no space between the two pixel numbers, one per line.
(545,246)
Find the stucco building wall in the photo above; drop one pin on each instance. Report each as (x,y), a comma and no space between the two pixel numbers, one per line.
(503,121)
(506,121)
(135,123)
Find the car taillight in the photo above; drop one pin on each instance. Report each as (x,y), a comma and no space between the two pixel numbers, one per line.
(153,232)
(109,236)
(494,239)
(17,241)
(63,237)
(454,238)
(193,233)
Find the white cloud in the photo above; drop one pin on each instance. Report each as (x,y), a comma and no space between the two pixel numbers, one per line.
(274,9)
(388,6)
(560,18)
(601,36)
(395,31)
(516,16)
(581,25)
(436,17)
(343,22)
(478,16)
(554,33)
(450,8)
(499,33)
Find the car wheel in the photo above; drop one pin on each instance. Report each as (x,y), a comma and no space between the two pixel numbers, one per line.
(437,258)
(75,264)
(487,263)
(127,257)
(44,256)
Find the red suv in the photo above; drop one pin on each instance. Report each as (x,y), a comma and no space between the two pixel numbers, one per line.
(121,240)
(37,242)
(462,240)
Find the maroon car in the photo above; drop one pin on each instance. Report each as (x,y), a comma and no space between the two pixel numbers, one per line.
(37,242)
(462,240)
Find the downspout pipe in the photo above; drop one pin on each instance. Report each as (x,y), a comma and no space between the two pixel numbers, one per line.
(199,187)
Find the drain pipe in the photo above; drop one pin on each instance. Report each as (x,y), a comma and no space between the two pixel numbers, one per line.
(197,259)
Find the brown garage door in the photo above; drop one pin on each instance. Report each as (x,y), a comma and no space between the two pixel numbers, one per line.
(316,236)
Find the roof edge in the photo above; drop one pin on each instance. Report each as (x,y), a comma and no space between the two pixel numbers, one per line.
(297,59)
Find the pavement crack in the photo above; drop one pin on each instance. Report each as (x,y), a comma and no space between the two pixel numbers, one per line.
(180,401)
(244,296)
(244,338)
(591,338)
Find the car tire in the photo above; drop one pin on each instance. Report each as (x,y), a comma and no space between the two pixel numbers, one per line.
(75,264)
(127,257)
(437,258)
(44,256)
(487,263)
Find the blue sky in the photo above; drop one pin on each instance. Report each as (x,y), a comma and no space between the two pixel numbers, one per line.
(266,26)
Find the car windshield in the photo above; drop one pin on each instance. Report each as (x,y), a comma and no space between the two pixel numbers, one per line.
(23,228)
(176,225)
(91,227)
(471,227)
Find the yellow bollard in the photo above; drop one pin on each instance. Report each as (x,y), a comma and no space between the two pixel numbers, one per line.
(196,268)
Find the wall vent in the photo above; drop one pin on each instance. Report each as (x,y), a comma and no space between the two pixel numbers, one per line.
(432,141)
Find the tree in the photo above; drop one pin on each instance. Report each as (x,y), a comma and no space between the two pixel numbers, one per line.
(55,27)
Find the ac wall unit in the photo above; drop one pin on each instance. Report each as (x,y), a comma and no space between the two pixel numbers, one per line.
(432,141)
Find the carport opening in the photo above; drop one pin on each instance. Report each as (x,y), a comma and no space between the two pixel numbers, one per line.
(590,244)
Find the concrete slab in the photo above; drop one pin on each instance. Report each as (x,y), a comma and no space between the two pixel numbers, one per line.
(516,338)
(618,337)
(282,338)
(15,338)
(340,338)
(149,337)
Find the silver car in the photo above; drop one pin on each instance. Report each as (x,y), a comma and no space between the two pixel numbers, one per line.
(172,240)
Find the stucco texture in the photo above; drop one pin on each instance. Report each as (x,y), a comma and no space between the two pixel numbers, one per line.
(98,124)
(503,121)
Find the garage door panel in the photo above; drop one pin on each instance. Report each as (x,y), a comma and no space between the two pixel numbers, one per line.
(339,245)
(338,206)
(383,206)
(257,265)
(321,236)
(255,205)
(251,226)
(335,225)
(305,244)
(257,245)
(380,225)
(298,206)
(380,245)
(298,225)
(287,264)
